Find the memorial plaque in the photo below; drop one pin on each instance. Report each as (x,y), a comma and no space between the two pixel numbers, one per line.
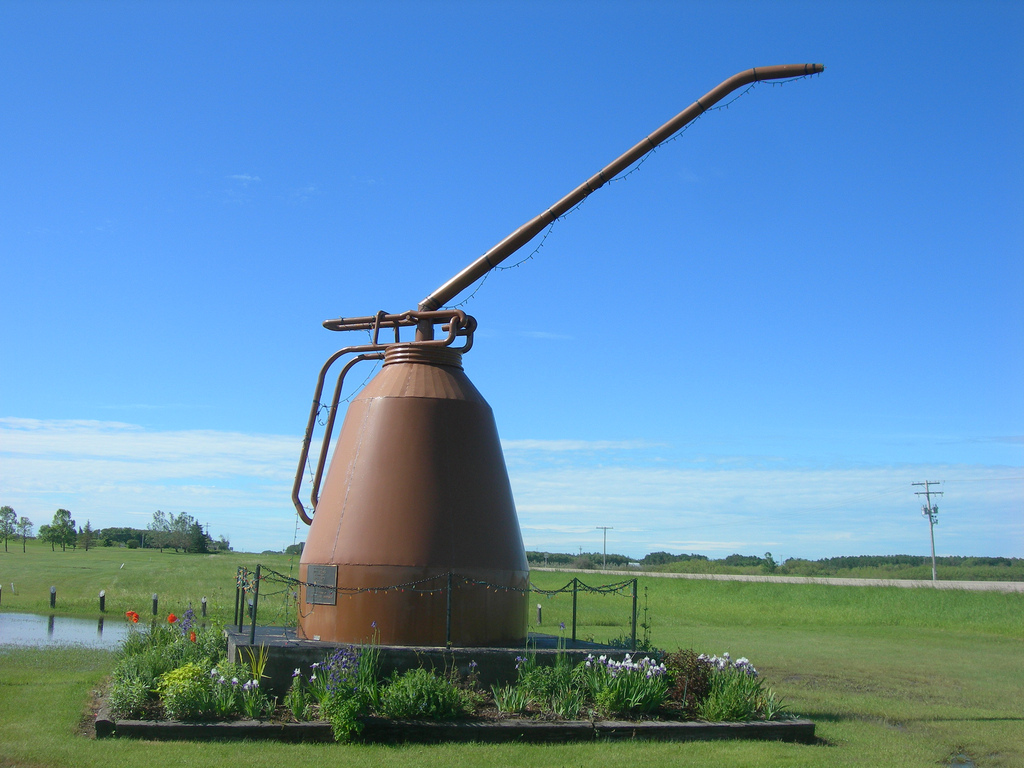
(321,584)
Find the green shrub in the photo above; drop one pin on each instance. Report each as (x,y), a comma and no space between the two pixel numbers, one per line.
(421,694)
(545,683)
(187,692)
(128,697)
(690,679)
(344,714)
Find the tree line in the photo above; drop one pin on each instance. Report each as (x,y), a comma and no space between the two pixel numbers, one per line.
(794,566)
(180,532)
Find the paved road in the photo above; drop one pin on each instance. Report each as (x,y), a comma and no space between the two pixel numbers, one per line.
(979,586)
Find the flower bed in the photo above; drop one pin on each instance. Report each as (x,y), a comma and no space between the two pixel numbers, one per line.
(174,679)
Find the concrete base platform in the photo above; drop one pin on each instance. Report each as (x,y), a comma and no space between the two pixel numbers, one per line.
(494,666)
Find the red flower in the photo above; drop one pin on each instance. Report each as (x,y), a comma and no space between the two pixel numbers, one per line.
(132,616)
(192,636)
(171,619)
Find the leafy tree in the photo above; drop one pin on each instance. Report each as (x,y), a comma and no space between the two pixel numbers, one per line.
(769,563)
(160,528)
(46,534)
(294,549)
(181,531)
(62,529)
(25,529)
(8,523)
(585,562)
(86,536)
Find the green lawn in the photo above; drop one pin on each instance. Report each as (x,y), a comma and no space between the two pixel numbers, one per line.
(892,677)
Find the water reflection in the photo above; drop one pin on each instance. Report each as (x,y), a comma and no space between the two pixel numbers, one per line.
(29,629)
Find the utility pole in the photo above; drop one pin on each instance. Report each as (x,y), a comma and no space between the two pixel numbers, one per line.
(930,511)
(604,558)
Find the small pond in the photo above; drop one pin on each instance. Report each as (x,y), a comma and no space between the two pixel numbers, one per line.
(29,629)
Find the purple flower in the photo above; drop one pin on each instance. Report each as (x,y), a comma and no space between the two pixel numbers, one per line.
(187,621)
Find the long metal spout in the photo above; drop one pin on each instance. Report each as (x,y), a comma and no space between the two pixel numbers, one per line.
(532,228)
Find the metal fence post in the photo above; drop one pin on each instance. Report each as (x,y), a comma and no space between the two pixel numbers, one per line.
(575,584)
(448,614)
(239,596)
(255,604)
(53,597)
(634,614)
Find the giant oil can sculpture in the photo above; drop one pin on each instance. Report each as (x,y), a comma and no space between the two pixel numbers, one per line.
(414,537)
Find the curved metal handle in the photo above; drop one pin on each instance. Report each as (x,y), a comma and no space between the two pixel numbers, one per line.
(314,496)
(315,409)
(532,228)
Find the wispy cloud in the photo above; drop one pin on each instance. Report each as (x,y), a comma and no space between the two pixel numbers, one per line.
(1007,439)
(245,179)
(116,473)
(801,512)
(301,194)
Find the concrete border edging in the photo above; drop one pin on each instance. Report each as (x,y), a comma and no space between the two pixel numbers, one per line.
(382,731)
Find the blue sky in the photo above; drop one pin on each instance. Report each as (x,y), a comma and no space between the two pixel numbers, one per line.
(756,342)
